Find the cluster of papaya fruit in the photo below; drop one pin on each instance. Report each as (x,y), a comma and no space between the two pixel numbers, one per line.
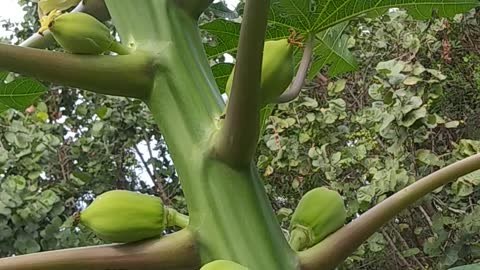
(319,213)
(122,216)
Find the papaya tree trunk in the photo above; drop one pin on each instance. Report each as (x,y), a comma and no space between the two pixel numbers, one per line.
(230,215)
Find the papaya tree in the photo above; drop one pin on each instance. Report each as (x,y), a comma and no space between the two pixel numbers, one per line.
(163,61)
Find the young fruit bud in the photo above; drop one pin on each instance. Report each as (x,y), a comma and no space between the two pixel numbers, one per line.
(122,216)
(277,70)
(223,265)
(80,33)
(319,213)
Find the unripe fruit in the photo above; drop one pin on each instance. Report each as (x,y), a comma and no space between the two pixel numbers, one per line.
(122,216)
(277,70)
(223,265)
(46,6)
(80,33)
(319,213)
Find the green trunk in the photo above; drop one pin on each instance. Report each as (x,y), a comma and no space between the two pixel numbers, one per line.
(229,211)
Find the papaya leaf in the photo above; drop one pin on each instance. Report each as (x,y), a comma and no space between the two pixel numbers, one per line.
(221,72)
(329,20)
(19,93)
(332,49)
(318,15)
(224,37)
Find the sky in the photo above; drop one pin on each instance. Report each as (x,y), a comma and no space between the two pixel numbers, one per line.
(10,10)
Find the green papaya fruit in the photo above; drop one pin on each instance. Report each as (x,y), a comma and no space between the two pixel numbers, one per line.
(223,265)
(46,6)
(277,70)
(80,33)
(319,213)
(122,216)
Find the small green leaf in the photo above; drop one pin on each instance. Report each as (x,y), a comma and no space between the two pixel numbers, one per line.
(429,158)
(20,93)
(42,116)
(410,81)
(103,112)
(413,116)
(462,188)
(410,252)
(97,129)
(337,87)
(452,124)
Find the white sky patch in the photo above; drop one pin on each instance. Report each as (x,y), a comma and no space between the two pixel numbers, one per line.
(10,10)
(232,4)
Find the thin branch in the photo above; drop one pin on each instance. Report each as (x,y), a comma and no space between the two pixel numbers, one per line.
(334,249)
(144,162)
(399,254)
(427,217)
(158,179)
(96,8)
(153,176)
(172,252)
(239,135)
(130,75)
(406,246)
(294,90)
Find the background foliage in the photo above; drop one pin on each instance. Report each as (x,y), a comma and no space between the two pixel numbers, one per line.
(413,106)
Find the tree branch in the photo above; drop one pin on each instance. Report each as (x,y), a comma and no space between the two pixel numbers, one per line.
(406,246)
(294,90)
(399,254)
(238,137)
(172,252)
(129,76)
(158,179)
(144,162)
(327,254)
(96,8)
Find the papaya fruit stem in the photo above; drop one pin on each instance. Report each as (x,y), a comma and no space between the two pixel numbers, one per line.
(299,238)
(294,90)
(175,218)
(120,49)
